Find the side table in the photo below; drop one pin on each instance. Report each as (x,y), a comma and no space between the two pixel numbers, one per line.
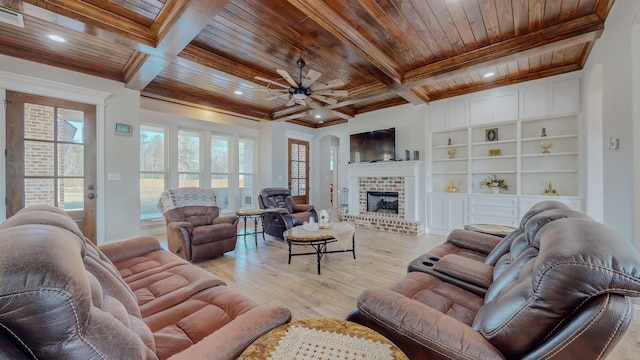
(322,339)
(255,215)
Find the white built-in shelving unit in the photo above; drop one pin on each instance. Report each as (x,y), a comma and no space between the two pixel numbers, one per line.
(515,117)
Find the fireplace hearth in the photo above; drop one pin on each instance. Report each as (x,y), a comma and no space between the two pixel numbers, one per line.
(385,202)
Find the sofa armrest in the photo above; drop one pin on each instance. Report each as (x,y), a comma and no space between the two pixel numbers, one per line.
(179,238)
(302,207)
(468,270)
(473,240)
(138,246)
(439,335)
(231,219)
(231,340)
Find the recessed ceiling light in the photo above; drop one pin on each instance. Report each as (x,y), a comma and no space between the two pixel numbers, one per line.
(488,74)
(321,122)
(318,116)
(56,38)
(238,92)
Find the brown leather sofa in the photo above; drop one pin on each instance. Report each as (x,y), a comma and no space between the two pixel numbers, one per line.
(282,212)
(560,292)
(195,229)
(64,298)
(478,246)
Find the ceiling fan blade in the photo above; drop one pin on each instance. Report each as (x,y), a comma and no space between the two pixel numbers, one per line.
(324,99)
(329,85)
(311,76)
(310,102)
(338,93)
(283,97)
(291,102)
(270,82)
(287,77)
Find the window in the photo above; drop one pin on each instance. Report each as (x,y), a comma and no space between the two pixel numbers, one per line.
(188,158)
(246,169)
(152,169)
(201,156)
(220,169)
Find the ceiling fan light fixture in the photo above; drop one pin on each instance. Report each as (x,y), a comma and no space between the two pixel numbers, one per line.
(299,93)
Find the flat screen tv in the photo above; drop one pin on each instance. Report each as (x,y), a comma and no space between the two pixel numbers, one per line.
(378,145)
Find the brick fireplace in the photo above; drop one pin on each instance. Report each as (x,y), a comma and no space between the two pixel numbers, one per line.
(399,177)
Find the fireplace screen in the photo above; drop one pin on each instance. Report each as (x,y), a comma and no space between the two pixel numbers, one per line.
(382,202)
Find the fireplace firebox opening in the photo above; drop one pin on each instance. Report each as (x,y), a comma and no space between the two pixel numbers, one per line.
(382,202)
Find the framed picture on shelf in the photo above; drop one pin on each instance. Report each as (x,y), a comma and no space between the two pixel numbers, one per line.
(491,134)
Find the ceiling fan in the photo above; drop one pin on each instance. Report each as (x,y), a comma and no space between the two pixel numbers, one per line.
(305,90)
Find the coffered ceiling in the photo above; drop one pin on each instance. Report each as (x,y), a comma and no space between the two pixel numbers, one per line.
(387,52)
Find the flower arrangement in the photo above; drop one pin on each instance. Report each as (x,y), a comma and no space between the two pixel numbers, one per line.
(493,182)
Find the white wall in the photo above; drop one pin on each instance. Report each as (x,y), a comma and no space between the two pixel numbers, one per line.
(117,200)
(409,121)
(612,53)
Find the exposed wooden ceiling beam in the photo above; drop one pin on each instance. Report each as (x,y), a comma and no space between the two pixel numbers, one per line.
(548,37)
(185,95)
(391,75)
(176,26)
(583,38)
(323,15)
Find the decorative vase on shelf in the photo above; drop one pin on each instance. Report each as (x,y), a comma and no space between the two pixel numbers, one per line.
(545,146)
(452,188)
(495,190)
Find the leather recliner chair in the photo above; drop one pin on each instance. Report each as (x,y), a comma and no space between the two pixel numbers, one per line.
(282,212)
(561,292)
(195,229)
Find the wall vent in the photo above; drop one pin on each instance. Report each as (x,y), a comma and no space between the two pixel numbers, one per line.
(11,17)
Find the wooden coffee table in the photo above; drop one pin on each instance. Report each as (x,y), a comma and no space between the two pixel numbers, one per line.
(322,339)
(320,238)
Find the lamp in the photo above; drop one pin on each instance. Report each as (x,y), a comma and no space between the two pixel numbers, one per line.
(299,93)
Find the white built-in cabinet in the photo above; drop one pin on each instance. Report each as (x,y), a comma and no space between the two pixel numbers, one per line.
(503,136)
(446,212)
(450,114)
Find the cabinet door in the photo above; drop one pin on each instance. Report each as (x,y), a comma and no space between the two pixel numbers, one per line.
(505,106)
(533,102)
(457,213)
(436,214)
(480,110)
(438,116)
(564,97)
(458,114)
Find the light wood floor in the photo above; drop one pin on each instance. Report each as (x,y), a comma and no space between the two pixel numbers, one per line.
(263,274)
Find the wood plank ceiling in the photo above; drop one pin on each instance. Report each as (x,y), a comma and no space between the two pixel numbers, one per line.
(386,52)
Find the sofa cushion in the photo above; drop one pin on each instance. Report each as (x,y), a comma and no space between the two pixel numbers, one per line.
(184,324)
(439,295)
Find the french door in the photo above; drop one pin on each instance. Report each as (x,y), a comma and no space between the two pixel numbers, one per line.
(299,170)
(51,157)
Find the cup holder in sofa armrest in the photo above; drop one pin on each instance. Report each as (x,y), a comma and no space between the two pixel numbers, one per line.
(431,261)
(470,271)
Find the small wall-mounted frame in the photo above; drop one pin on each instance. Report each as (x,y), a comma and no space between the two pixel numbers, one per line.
(123,129)
(491,134)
